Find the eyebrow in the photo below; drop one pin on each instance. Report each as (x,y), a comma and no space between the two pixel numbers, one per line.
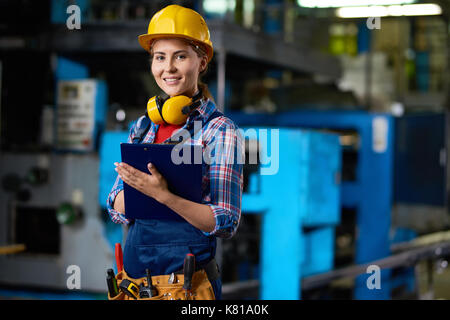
(163,53)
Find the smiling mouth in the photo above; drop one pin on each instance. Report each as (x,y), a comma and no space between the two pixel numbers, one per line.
(171,80)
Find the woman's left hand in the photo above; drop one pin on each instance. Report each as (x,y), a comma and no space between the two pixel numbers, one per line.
(153,185)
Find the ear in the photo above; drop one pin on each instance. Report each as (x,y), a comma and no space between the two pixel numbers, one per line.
(203,64)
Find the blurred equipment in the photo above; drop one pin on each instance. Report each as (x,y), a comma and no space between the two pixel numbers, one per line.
(68,213)
(80,114)
(51,199)
(382,173)
(56,222)
(421,185)
(298,220)
(366,189)
(14,248)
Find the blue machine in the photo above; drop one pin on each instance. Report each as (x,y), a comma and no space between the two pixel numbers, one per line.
(299,200)
(370,192)
(418,135)
(273,22)
(109,153)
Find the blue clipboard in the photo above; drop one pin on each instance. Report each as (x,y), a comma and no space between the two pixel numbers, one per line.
(184,179)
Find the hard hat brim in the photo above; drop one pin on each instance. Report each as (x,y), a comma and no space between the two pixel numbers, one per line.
(145,41)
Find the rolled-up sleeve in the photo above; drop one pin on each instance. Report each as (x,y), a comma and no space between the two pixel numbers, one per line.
(226,177)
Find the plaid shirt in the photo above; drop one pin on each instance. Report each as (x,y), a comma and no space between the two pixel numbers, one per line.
(222,180)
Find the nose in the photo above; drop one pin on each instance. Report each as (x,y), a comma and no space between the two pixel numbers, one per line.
(170,66)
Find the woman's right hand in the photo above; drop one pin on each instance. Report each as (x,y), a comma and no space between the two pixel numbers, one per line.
(119,203)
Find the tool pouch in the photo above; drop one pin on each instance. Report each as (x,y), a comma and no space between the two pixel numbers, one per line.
(201,287)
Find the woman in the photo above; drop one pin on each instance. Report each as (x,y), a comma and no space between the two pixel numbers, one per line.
(180,50)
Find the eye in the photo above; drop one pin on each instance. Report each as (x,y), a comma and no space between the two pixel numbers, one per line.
(159,58)
(181,57)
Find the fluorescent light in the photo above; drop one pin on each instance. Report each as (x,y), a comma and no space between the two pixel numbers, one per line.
(218,6)
(349,3)
(383,11)
(395,10)
(375,11)
(425,9)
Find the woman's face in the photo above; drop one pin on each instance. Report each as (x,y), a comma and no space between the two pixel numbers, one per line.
(176,66)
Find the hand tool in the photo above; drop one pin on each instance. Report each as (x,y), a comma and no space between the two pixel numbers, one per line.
(149,290)
(172,278)
(111,281)
(119,257)
(144,292)
(188,269)
(129,288)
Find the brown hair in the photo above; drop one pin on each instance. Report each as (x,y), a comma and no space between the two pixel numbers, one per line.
(201,52)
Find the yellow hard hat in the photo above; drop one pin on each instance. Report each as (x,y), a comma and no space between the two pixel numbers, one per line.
(180,22)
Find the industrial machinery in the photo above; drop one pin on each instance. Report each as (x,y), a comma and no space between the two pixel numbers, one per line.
(49,199)
(421,185)
(295,191)
(394,187)
(366,188)
(55,213)
(109,153)
(80,114)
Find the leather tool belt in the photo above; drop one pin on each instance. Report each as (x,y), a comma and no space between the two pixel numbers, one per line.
(172,289)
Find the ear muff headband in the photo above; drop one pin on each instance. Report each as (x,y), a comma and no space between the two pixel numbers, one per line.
(159,105)
(196,103)
(188,109)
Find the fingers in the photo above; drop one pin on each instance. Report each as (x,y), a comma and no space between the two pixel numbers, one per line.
(153,170)
(149,184)
(127,169)
(128,174)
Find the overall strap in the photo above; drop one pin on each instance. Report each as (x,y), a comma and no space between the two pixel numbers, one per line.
(146,122)
(214,115)
(142,129)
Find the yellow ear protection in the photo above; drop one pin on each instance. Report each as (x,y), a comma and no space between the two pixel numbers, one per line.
(173,110)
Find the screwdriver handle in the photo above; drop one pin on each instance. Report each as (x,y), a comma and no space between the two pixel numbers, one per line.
(112,283)
(189,268)
(149,278)
(119,257)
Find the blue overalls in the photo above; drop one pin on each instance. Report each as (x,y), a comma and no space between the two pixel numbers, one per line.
(161,246)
